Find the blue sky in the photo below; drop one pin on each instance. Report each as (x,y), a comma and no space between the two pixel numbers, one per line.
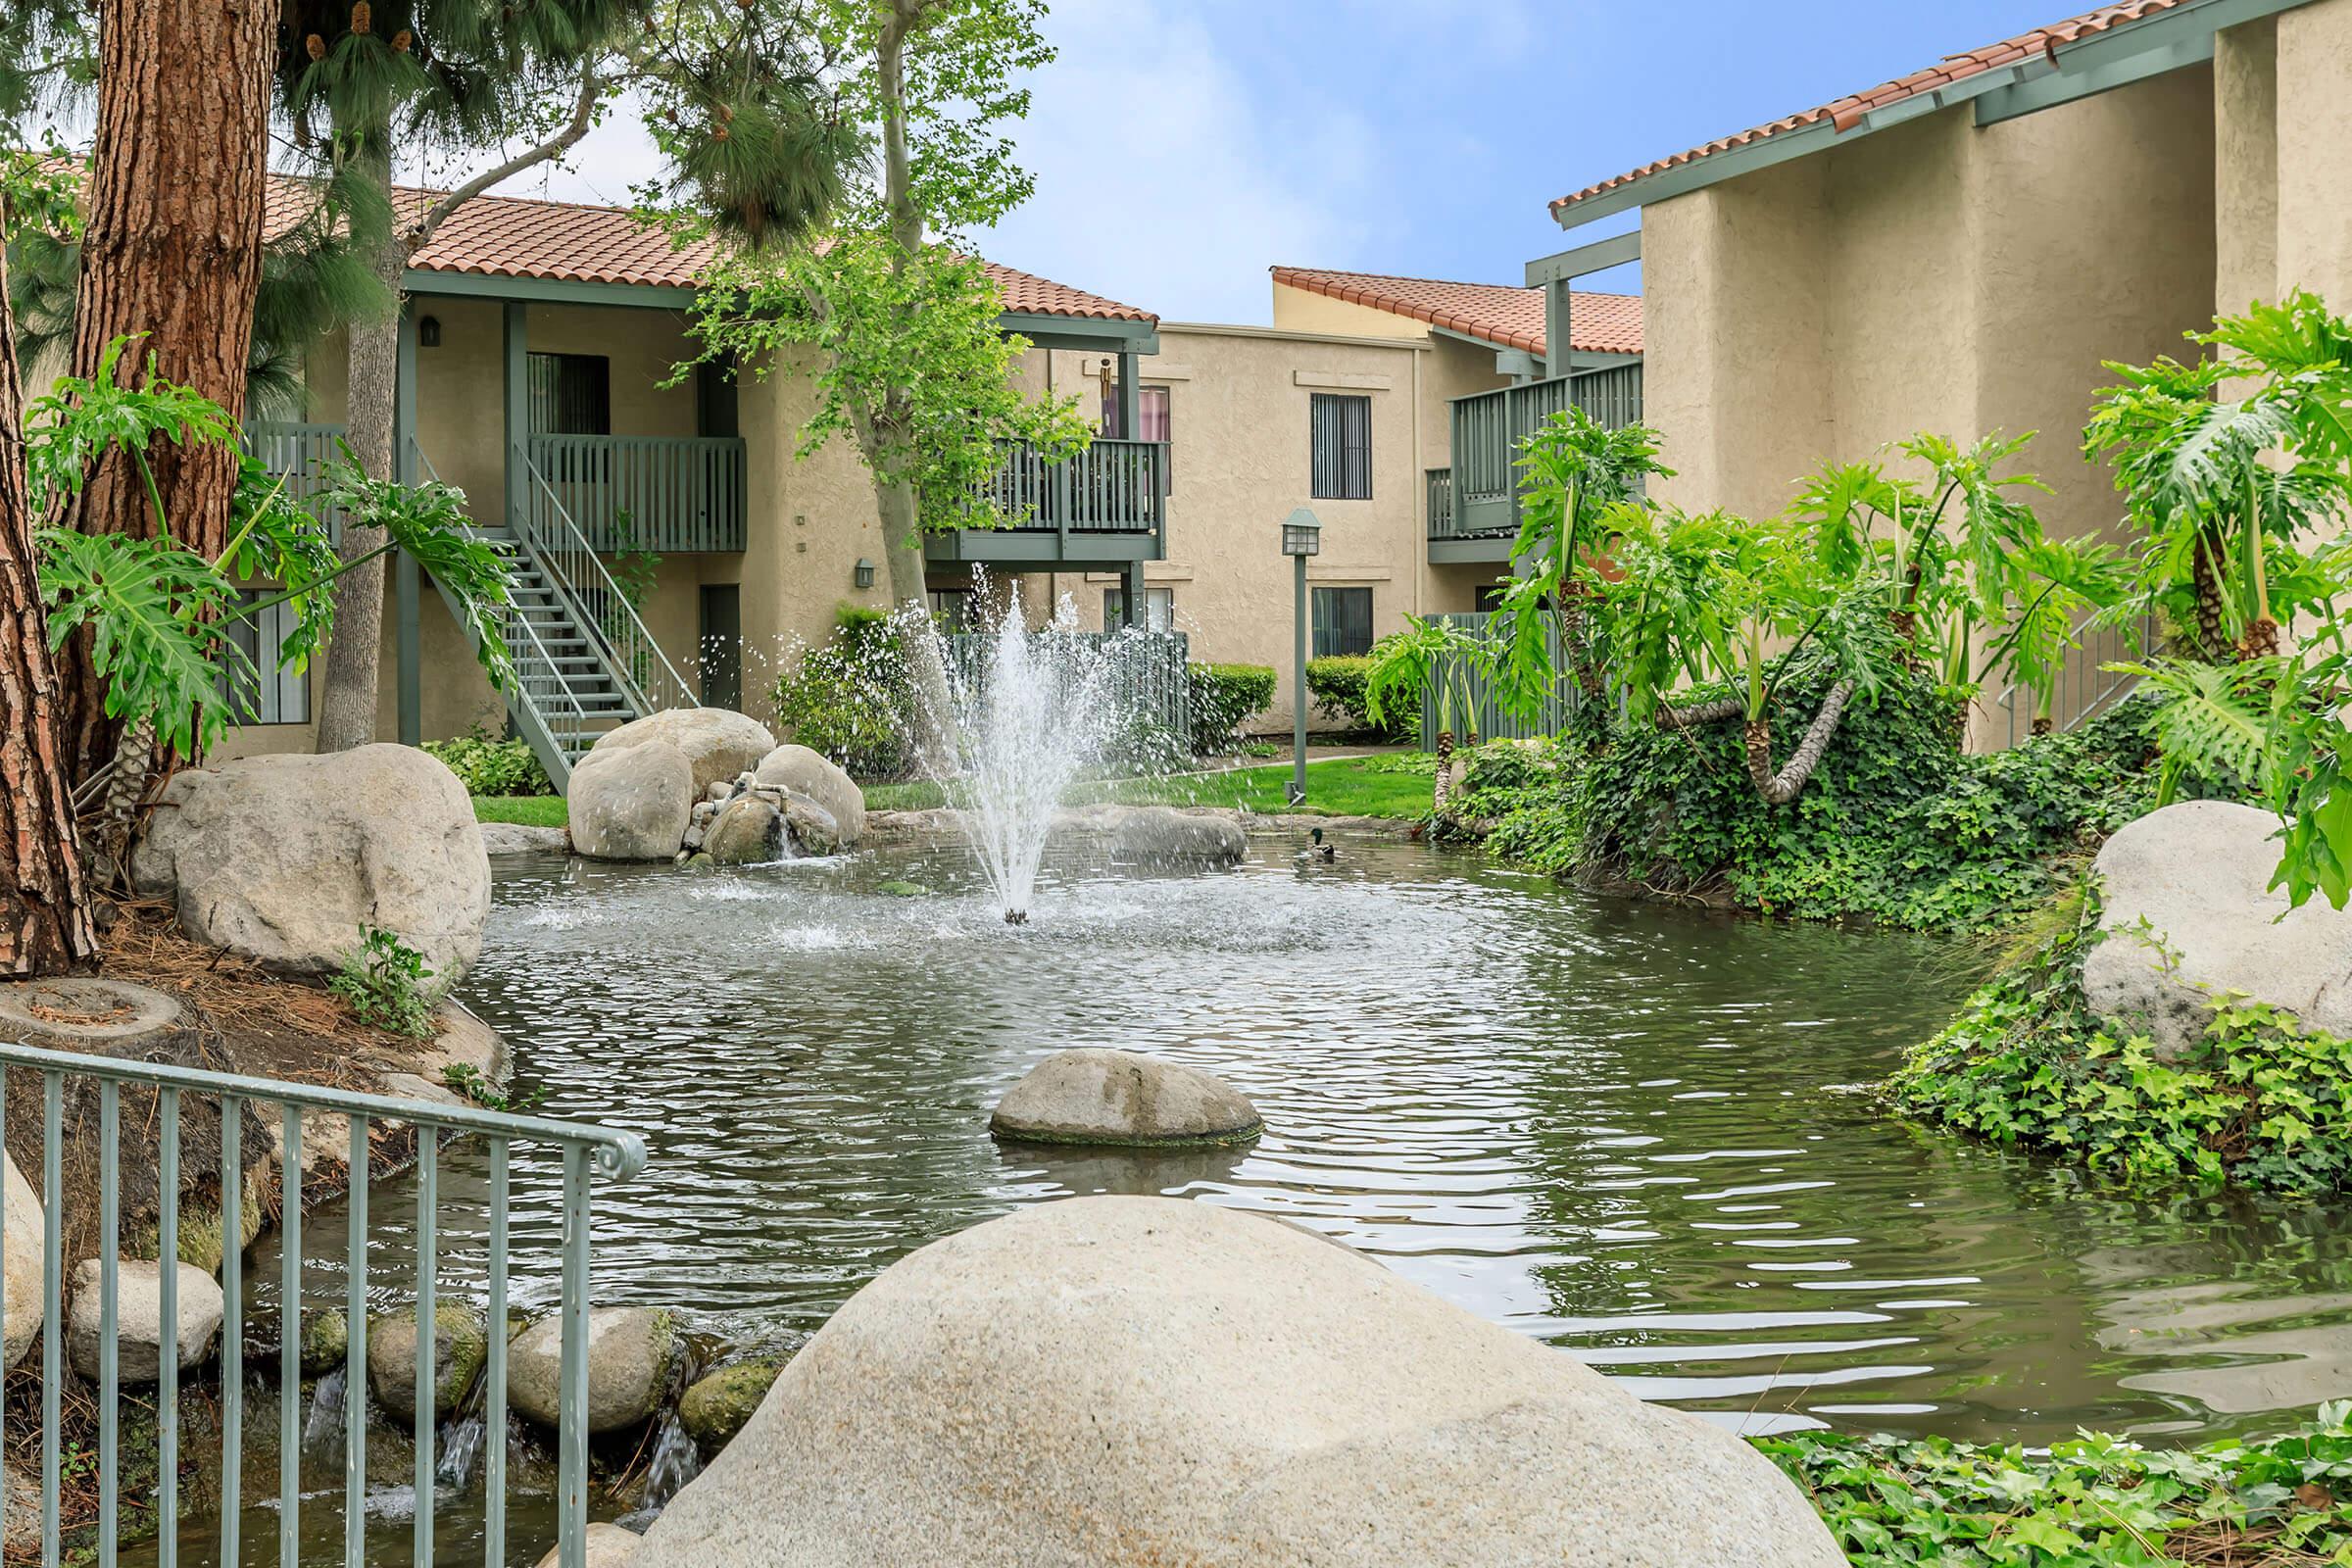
(1183,146)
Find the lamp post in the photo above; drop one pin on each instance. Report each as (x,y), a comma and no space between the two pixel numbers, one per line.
(1302,537)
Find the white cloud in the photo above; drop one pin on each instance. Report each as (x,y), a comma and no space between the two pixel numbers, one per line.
(1161,182)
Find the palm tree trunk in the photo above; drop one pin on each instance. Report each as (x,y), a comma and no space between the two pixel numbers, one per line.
(1699,713)
(44,907)
(347,702)
(2213,622)
(1778,789)
(1441,788)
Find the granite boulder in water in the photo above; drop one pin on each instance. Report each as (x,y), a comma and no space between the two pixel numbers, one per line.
(1119,1098)
(1142,1380)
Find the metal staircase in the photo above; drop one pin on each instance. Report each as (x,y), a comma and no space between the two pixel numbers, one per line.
(584,662)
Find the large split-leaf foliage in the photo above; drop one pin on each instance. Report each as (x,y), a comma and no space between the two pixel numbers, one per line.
(1774,708)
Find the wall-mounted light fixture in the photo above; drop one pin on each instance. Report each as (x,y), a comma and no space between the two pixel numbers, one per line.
(428,331)
(864,572)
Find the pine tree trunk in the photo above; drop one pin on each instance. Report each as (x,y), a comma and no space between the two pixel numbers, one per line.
(173,249)
(44,912)
(347,703)
(1778,789)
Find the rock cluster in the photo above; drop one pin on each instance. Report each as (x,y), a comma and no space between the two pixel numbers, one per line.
(709,782)
(794,803)
(1149,1380)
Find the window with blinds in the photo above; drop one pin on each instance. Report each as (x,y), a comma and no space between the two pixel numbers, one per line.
(266,693)
(1341,441)
(1343,619)
(571,394)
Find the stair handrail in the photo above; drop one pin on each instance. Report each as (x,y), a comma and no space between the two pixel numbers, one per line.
(2099,701)
(551,756)
(634,639)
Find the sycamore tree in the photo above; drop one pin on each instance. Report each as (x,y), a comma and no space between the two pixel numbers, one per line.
(888,310)
(751,136)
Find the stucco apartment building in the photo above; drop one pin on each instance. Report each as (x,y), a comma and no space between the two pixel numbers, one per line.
(1960,249)
(538,341)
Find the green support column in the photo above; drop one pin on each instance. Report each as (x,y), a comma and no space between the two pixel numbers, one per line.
(1135,593)
(1558,356)
(1131,398)
(407,586)
(518,408)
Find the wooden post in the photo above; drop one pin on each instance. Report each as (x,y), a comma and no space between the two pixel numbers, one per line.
(518,338)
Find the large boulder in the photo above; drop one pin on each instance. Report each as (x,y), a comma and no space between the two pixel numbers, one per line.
(1133,1379)
(631,802)
(2188,916)
(139,1319)
(283,859)
(718,743)
(1159,836)
(748,830)
(812,828)
(803,771)
(1119,1098)
(631,1352)
(21,1288)
(520,837)
(460,1346)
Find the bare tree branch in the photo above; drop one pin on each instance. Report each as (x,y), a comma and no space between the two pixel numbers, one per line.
(583,111)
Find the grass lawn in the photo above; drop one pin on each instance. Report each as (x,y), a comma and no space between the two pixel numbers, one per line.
(532,810)
(1346,787)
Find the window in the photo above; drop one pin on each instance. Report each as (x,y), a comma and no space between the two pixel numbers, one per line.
(1152,414)
(266,693)
(571,394)
(1343,622)
(1341,441)
(1159,609)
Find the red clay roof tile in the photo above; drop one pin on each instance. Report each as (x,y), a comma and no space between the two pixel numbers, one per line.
(1848,112)
(522,236)
(1495,313)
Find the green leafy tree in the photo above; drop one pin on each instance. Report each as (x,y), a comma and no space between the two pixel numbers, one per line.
(901,322)
(743,95)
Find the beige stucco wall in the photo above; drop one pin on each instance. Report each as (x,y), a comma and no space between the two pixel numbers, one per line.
(2283,165)
(1937,276)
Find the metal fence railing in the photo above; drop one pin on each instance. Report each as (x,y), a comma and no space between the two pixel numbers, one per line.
(167,1098)
(2086,688)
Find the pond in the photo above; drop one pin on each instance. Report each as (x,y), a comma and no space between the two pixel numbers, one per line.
(1637,1132)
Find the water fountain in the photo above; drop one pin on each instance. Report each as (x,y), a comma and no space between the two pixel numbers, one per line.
(1007,721)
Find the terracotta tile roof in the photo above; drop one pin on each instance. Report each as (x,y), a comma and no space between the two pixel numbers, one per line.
(1847,111)
(522,236)
(1495,312)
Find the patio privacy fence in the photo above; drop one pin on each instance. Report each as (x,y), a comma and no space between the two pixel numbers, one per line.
(1460,695)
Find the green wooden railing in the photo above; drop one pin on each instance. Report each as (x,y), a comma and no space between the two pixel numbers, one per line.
(1483,485)
(1110,487)
(672,495)
(1440,482)
(1459,692)
(225,1110)
(298,454)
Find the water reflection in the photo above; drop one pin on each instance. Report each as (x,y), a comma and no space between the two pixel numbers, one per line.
(1626,1129)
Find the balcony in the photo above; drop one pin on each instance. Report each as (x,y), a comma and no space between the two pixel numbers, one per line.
(671,495)
(1474,505)
(1103,507)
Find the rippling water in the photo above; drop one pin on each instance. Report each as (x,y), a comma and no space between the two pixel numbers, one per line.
(1626,1129)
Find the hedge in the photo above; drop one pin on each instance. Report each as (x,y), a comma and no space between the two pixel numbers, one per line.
(1223,696)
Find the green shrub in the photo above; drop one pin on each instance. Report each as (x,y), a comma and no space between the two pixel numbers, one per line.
(1336,685)
(1224,695)
(2256,1099)
(2092,1499)
(492,767)
(386,983)
(1898,826)
(847,698)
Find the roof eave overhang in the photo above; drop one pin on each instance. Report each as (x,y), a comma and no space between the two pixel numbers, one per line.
(1084,334)
(2129,52)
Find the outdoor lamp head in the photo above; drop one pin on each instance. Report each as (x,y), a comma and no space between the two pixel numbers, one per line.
(1302,534)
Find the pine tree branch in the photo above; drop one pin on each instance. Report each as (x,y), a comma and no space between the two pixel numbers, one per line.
(583,114)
